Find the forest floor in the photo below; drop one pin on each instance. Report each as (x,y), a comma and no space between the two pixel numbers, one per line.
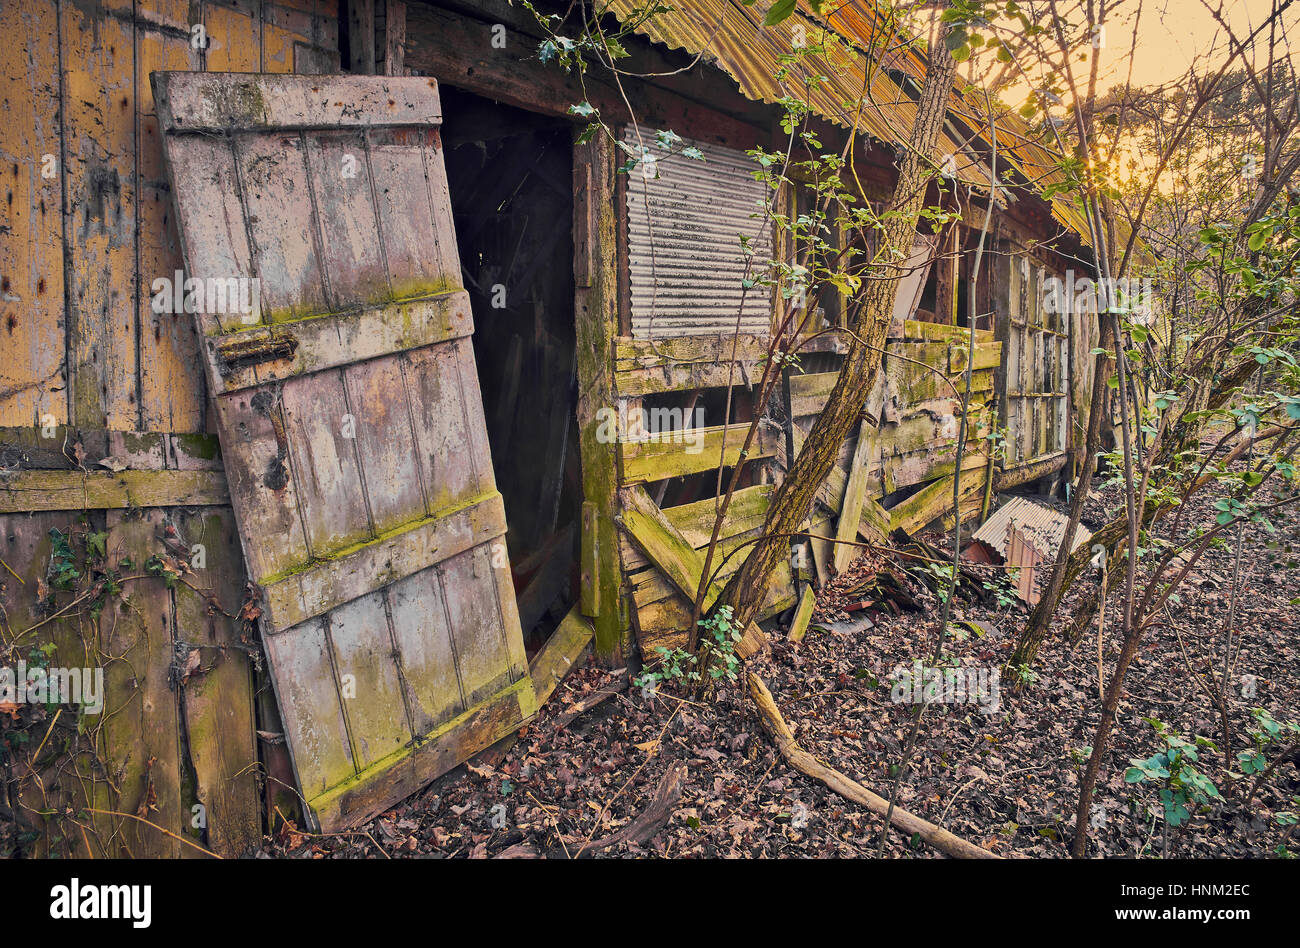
(1004,779)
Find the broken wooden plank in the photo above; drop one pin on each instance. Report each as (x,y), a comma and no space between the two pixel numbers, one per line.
(663,544)
(1014,476)
(556,658)
(746,513)
(672,555)
(930,503)
(802,615)
(846,529)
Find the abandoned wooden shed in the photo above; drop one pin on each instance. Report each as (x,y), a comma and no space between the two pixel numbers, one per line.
(331,540)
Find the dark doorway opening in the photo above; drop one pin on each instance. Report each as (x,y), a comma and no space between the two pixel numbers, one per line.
(510,177)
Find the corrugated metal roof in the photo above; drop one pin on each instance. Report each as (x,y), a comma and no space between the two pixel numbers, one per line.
(758,59)
(686,270)
(1042,525)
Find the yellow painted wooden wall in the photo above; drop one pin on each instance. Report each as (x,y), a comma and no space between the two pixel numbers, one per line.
(86,224)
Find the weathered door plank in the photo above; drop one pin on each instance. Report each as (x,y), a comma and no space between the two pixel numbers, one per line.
(352,425)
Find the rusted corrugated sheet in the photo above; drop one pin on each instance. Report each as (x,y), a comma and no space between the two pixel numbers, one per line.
(686,217)
(1041,525)
(756,56)
(758,59)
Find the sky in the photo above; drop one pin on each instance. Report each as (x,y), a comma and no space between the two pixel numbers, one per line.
(1172,33)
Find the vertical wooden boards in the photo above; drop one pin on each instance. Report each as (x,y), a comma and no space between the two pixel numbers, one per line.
(353,427)
(31,226)
(25,547)
(596,308)
(418,613)
(394,47)
(218,696)
(172,396)
(307,690)
(100,217)
(141,724)
(846,530)
(87,225)
(1036,394)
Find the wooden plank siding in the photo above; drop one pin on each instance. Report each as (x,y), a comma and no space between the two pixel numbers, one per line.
(81,134)
(94,374)
(907,440)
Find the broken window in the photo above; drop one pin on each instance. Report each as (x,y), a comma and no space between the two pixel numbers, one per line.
(1037,369)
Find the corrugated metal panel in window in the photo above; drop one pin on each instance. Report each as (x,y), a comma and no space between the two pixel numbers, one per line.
(685,222)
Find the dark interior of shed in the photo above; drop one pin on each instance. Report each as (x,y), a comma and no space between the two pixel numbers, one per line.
(510,176)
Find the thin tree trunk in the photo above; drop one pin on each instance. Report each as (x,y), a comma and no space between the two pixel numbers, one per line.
(793,499)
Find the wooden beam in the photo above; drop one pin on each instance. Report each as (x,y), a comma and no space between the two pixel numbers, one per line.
(673,555)
(557,657)
(851,510)
(394,38)
(802,615)
(663,545)
(107,490)
(1030,471)
(596,326)
(930,502)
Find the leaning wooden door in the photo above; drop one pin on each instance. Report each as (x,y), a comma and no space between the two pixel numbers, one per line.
(323,273)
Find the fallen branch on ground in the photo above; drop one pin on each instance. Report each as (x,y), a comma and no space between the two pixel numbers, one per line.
(850,789)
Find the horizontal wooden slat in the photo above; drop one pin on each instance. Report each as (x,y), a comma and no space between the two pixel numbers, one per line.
(919,330)
(106,490)
(664,455)
(646,366)
(917,467)
(315,343)
(320,586)
(194,102)
(987,356)
(808,393)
